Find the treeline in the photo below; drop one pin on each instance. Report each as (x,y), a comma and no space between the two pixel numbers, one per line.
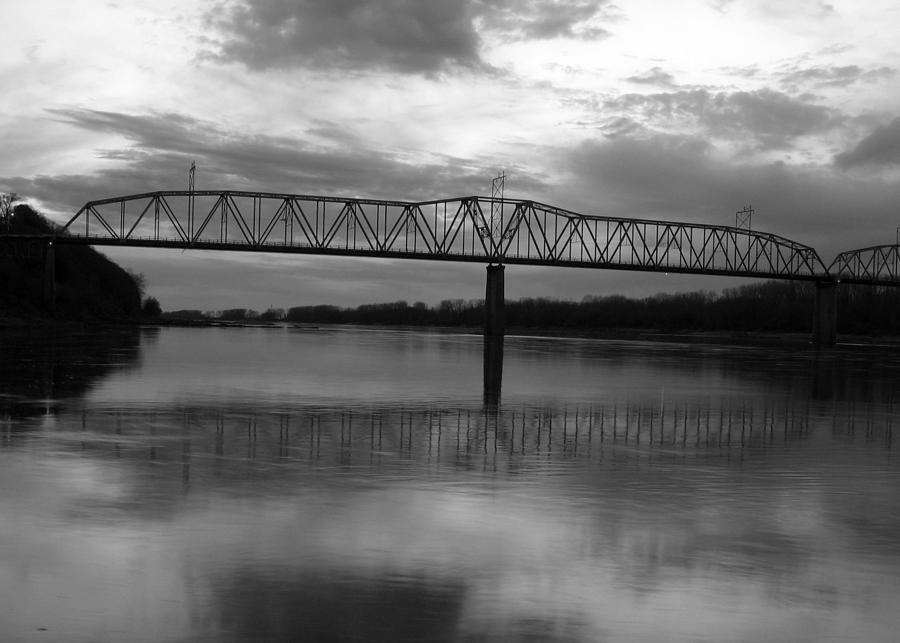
(88,285)
(229,315)
(774,306)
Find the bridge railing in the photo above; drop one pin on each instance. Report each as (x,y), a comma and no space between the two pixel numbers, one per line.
(468,228)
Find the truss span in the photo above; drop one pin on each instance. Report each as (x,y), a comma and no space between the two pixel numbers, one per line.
(479,229)
(876,265)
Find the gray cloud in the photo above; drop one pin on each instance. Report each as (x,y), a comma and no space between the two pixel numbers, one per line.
(621,126)
(161,147)
(404,36)
(157,156)
(546,19)
(744,72)
(880,148)
(679,178)
(778,10)
(721,5)
(655,76)
(839,76)
(409,36)
(768,119)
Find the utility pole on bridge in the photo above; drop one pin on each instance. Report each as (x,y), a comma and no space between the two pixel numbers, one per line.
(743,218)
(494,297)
(191,174)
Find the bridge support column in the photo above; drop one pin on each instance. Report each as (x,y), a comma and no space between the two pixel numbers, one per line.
(825,314)
(494,303)
(50,278)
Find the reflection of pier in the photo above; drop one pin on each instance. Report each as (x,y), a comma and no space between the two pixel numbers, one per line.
(493,369)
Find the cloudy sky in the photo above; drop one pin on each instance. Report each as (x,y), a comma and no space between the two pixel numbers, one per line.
(678,109)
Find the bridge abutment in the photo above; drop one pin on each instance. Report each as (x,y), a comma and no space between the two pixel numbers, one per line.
(494,303)
(825,314)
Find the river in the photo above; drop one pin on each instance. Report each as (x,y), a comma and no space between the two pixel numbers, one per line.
(353,484)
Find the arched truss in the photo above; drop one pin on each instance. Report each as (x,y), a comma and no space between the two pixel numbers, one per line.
(477,229)
(877,265)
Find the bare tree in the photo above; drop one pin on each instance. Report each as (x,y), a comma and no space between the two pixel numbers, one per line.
(6,201)
(139,280)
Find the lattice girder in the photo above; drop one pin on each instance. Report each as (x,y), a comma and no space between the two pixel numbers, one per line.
(876,265)
(462,229)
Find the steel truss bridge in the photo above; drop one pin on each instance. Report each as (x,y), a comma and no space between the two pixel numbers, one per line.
(490,230)
(876,265)
(474,229)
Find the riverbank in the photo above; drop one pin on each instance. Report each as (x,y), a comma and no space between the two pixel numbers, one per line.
(731,338)
(17,322)
(736,338)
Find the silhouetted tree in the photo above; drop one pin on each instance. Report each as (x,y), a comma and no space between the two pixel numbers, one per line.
(151,308)
(6,201)
(272,314)
(140,281)
(233,314)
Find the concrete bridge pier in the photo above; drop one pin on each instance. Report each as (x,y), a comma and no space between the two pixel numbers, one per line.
(825,314)
(50,277)
(494,303)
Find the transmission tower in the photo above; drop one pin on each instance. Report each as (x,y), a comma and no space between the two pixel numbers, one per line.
(191,173)
(742,218)
(498,184)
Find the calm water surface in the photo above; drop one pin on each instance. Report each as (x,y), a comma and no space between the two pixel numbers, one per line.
(252,484)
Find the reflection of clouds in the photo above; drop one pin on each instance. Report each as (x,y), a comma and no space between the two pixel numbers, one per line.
(530,558)
(591,553)
(616,543)
(394,530)
(72,566)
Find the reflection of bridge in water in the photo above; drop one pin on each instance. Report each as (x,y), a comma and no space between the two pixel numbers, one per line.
(577,430)
(495,231)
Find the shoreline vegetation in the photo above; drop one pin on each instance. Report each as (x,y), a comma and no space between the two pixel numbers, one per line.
(88,286)
(621,334)
(772,308)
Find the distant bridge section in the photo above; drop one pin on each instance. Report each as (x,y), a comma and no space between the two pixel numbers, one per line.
(876,265)
(475,229)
